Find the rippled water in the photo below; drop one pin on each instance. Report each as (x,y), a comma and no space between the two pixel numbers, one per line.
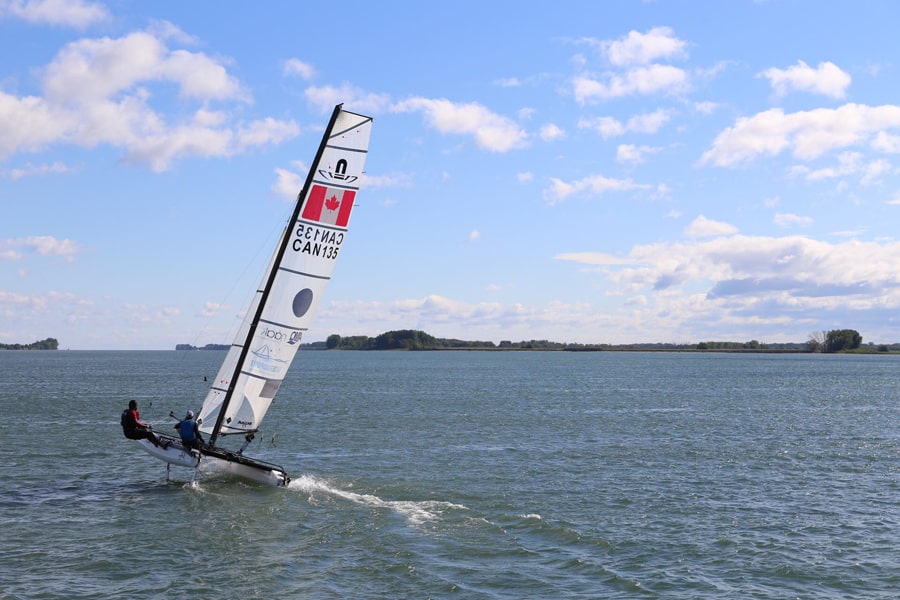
(463,475)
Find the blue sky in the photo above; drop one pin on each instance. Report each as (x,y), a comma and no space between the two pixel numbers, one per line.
(596,172)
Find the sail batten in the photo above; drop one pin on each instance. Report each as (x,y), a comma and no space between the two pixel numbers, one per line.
(287,270)
(292,286)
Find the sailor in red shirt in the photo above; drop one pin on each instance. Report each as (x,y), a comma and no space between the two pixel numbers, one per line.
(134,429)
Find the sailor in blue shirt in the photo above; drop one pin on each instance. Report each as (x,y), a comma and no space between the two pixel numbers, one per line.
(189,431)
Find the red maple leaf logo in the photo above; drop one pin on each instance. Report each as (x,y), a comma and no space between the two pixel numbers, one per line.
(332,203)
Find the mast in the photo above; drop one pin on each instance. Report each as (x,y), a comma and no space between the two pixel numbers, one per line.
(282,248)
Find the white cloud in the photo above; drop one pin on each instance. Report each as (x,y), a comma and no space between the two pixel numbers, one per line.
(92,70)
(298,68)
(642,48)
(707,107)
(30,170)
(525,177)
(827,79)
(629,153)
(508,82)
(66,13)
(97,91)
(703,227)
(211,309)
(644,81)
(287,184)
(474,235)
(385,181)
(635,71)
(887,143)
(794,273)
(490,130)
(607,127)
(791,220)
(325,98)
(44,245)
(807,134)
(848,163)
(644,123)
(594,185)
(551,132)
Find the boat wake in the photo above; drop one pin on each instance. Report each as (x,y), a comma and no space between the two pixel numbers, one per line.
(416,512)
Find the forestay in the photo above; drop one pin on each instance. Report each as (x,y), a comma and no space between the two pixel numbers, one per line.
(301,267)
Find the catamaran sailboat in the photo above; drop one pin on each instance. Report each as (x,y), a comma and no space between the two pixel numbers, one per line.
(281,309)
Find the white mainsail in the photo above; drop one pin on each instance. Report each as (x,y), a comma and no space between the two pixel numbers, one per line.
(301,267)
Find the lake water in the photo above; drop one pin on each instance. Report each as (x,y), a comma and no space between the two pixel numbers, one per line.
(483,475)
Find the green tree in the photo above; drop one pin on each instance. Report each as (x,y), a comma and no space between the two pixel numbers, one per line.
(333,341)
(842,339)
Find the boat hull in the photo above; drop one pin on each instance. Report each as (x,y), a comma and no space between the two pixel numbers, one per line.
(215,459)
(257,474)
(174,454)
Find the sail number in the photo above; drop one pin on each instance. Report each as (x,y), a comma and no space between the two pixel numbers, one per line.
(317,242)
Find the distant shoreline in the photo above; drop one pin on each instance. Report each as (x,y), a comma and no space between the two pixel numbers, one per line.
(685,348)
(46,344)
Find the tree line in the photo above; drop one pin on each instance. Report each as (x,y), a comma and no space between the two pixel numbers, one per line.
(838,340)
(47,344)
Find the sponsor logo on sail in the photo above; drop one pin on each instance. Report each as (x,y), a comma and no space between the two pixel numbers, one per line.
(339,173)
(280,336)
(263,360)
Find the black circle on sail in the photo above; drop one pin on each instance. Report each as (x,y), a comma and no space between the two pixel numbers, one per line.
(302,302)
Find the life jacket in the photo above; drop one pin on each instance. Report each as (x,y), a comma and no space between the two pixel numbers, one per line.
(186,430)
(127,420)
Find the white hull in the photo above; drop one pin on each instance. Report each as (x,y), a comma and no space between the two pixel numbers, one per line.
(176,454)
(255,474)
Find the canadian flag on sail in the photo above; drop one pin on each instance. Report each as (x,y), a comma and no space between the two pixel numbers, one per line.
(330,206)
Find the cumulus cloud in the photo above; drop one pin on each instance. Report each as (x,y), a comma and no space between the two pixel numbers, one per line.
(325,98)
(806,134)
(294,67)
(211,309)
(794,272)
(551,132)
(98,91)
(635,70)
(629,153)
(30,170)
(92,70)
(594,185)
(703,227)
(61,13)
(491,131)
(638,48)
(44,245)
(826,79)
(609,127)
(643,81)
(791,220)
(288,183)
(887,143)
